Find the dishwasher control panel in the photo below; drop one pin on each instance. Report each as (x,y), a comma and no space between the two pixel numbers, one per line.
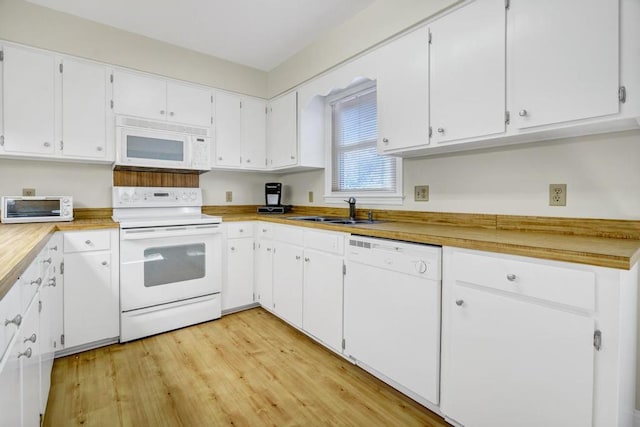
(409,258)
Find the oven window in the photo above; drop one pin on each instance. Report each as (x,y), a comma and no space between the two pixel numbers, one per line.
(141,147)
(32,208)
(171,264)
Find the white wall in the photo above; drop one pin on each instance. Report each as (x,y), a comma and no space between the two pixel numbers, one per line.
(601,173)
(30,24)
(90,184)
(380,21)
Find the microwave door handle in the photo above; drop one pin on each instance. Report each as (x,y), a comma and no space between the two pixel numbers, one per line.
(33,198)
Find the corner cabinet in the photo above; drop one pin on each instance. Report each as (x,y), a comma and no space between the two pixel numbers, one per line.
(403,92)
(530,342)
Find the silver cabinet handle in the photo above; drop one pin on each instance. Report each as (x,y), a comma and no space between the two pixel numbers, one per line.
(268,249)
(511,277)
(459,302)
(87,242)
(385,141)
(171,113)
(440,130)
(232,248)
(52,282)
(522,113)
(293,157)
(27,353)
(104,263)
(298,257)
(241,230)
(162,112)
(47,260)
(54,248)
(47,144)
(15,321)
(306,259)
(32,338)
(264,230)
(248,160)
(38,281)
(99,148)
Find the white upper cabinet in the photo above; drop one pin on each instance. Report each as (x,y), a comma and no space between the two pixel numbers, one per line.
(155,98)
(563,60)
(403,92)
(86,92)
(28,97)
(282,131)
(240,132)
(468,72)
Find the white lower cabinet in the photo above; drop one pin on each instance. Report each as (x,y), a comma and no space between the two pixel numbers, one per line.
(237,287)
(263,264)
(287,282)
(91,287)
(530,342)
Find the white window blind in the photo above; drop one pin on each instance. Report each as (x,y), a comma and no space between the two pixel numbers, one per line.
(357,167)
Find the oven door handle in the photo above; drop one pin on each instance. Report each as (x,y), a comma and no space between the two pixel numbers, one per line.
(158,233)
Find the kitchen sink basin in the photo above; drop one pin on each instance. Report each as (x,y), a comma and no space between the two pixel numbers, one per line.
(332,220)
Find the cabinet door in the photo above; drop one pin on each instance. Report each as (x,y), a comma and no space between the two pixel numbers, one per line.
(10,388)
(28,97)
(29,346)
(322,297)
(84,110)
(237,290)
(282,131)
(90,298)
(264,273)
(287,282)
(188,104)
(139,95)
(512,362)
(468,72)
(253,133)
(227,130)
(403,92)
(563,65)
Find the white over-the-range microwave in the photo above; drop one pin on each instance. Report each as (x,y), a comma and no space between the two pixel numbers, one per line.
(163,145)
(17,209)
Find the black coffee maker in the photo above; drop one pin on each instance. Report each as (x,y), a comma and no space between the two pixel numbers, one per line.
(273,199)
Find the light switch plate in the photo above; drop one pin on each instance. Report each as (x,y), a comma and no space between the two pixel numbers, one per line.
(310,196)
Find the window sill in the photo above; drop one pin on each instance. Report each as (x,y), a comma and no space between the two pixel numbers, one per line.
(368,199)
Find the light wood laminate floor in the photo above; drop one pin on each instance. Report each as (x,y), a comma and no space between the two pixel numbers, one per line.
(246,369)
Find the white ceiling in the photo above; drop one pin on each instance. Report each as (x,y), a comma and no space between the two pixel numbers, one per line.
(258,33)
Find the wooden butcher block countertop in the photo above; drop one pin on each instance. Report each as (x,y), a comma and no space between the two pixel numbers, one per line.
(606,243)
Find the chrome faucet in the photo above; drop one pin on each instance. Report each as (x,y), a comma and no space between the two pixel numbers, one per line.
(352,208)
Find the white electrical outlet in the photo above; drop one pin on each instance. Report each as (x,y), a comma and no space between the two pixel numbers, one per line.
(229,196)
(29,192)
(557,194)
(421,193)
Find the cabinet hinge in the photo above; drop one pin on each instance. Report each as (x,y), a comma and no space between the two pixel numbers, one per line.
(1,55)
(61,68)
(254,296)
(39,306)
(597,339)
(212,99)
(344,343)
(266,110)
(111,78)
(61,145)
(240,104)
(254,246)
(622,94)
(429,37)
(111,103)
(344,269)
(211,119)
(430,131)
(507,4)
(1,140)
(507,117)
(62,339)
(62,269)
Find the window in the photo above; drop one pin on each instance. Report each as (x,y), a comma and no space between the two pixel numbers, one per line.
(356,167)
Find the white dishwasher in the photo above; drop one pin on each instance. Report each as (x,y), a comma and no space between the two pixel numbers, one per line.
(392,313)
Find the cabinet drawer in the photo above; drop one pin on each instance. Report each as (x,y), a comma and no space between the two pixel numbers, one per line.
(239,229)
(264,230)
(288,234)
(10,307)
(323,241)
(527,277)
(83,241)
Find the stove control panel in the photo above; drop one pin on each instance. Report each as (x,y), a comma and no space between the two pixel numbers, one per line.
(156,197)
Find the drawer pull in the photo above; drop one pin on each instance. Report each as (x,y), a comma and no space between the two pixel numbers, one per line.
(87,242)
(511,277)
(27,353)
(104,263)
(38,281)
(52,282)
(47,260)
(15,321)
(32,338)
(459,302)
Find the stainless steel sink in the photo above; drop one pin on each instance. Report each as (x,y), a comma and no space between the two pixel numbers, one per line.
(332,220)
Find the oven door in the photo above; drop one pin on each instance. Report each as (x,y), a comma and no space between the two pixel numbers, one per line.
(159,265)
